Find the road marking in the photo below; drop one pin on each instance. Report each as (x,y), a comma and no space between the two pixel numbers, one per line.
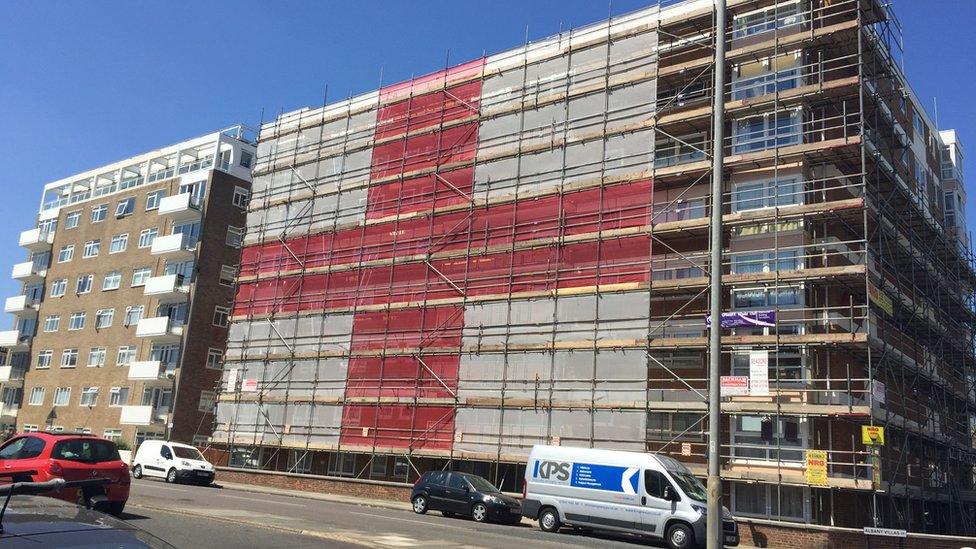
(183,491)
(275,502)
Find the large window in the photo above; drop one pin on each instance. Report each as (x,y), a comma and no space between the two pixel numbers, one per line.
(59,287)
(167,355)
(91,248)
(51,323)
(766,262)
(153,198)
(125,207)
(748,298)
(84,284)
(62,395)
(765,438)
(784,366)
(104,318)
(99,212)
(133,314)
(76,321)
(72,219)
(763,20)
(119,243)
(112,281)
(118,396)
(671,151)
(767,131)
(768,500)
(69,358)
(125,356)
(766,76)
(36,396)
(666,425)
(89,396)
(140,275)
(753,195)
(147,236)
(96,357)
(66,253)
(44,359)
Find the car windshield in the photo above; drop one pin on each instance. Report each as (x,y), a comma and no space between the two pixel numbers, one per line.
(88,450)
(481,484)
(187,453)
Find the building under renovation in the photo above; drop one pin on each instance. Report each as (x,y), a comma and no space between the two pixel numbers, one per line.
(514,251)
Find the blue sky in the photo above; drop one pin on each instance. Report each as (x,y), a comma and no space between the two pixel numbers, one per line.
(84,84)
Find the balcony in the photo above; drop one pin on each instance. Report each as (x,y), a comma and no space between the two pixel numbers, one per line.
(13,341)
(8,413)
(36,240)
(159,328)
(167,288)
(20,306)
(26,272)
(177,247)
(11,376)
(136,415)
(150,370)
(181,208)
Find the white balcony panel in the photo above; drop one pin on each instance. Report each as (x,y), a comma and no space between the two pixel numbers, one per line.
(167,288)
(173,246)
(19,305)
(36,240)
(8,413)
(159,328)
(26,272)
(181,208)
(12,340)
(144,370)
(136,415)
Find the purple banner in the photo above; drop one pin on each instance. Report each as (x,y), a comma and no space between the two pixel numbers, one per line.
(762,319)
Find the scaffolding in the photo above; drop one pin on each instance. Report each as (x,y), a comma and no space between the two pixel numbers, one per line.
(513,251)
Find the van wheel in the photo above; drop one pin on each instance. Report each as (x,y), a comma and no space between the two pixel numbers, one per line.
(680,536)
(479,512)
(549,520)
(420,505)
(171,476)
(137,471)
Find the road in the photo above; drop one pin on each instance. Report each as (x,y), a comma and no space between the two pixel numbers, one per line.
(187,516)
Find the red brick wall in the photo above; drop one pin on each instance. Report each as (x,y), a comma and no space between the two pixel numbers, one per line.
(307,483)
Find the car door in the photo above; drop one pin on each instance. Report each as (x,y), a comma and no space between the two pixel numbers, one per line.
(164,460)
(656,507)
(437,490)
(457,494)
(22,454)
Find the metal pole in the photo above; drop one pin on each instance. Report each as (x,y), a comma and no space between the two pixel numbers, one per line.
(714,518)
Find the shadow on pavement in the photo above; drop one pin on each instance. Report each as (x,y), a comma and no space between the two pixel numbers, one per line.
(131,516)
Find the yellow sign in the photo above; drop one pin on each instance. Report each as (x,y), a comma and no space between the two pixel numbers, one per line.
(872,435)
(880,299)
(816,471)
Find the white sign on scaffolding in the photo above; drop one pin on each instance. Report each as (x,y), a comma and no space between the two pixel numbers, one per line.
(759,373)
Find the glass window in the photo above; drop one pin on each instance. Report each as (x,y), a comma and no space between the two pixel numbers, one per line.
(72,219)
(89,396)
(112,281)
(36,396)
(118,396)
(133,314)
(764,262)
(153,198)
(241,197)
(125,356)
(44,359)
(69,358)
(51,323)
(766,19)
(167,355)
(119,243)
(76,321)
(768,501)
(125,207)
(246,158)
(765,76)
(59,287)
(235,236)
(99,212)
(767,131)
(753,195)
(784,366)
(227,275)
(457,482)
(141,275)
(671,151)
(112,434)
(66,253)
(91,248)
(206,403)
(104,318)
(220,316)
(22,448)
(86,450)
(96,357)
(764,438)
(84,284)
(215,358)
(147,236)
(655,482)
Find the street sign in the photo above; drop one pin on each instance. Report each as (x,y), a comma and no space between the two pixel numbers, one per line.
(872,435)
(887,532)
(734,385)
(249,385)
(816,470)
(686,448)
(759,373)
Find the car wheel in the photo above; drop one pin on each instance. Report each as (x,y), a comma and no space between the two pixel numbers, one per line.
(420,505)
(116,507)
(448,514)
(171,476)
(137,471)
(549,520)
(479,512)
(680,537)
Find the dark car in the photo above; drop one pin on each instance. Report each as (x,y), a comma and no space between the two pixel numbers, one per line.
(35,521)
(454,493)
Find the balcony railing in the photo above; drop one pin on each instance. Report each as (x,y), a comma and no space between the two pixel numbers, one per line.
(20,305)
(159,328)
(28,272)
(173,245)
(13,340)
(36,239)
(181,207)
(167,288)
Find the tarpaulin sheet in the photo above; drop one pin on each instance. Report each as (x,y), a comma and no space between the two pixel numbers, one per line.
(408,328)
(398,426)
(403,376)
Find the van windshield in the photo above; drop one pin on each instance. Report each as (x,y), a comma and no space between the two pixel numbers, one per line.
(187,453)
(690,485)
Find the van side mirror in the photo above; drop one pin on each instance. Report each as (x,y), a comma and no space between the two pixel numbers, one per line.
(669,494)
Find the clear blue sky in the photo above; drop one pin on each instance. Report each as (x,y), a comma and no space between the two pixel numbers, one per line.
(86,83)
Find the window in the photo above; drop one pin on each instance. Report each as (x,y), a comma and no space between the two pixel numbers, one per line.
(36,396)
(133,314)
(182,268)
(766,297)
(99,212)
(118,396)
(754,195)
(71,220)
(147,236)
(671,151)
(343,465)
(140,275)
(62,395)
(119,243)
(52,322)
(104,318)
(207,399)
(401,467)
(44,359)
(767,131)
(112,281)
(240,197)
(96,357)
(59,287)
(76,321)
(378,467)
(153,198)
(759,438)
(655,482)
(30,428)
(235,236)
(89,396)
(84,284)
(125,356)
(768,500)
(84,430)
(765,262)
(125,207)
(765,76)
(917,123)
(227,275)
(215,358)
(113,434)
(91,248)
(69,358)
(167,355)
(299,461)
(246,158)
(246,458)
(767,19)
(677,426)
(785,366)
(220,316)
(66,253)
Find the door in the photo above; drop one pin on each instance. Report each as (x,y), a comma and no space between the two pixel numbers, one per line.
(437,491)
(656,507)
(164,460)
(21,454)
(458,494)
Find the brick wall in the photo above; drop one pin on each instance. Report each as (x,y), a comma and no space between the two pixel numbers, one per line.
(308,483)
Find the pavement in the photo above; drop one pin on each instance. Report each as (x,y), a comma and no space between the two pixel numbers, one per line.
(253,516)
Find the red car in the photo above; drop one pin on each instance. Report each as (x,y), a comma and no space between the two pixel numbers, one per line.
(70,456)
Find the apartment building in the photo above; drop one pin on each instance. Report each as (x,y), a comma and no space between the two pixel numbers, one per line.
(514,251)
(122,317)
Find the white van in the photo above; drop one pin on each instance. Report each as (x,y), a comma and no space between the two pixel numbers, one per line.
(173,461)
(646,494)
